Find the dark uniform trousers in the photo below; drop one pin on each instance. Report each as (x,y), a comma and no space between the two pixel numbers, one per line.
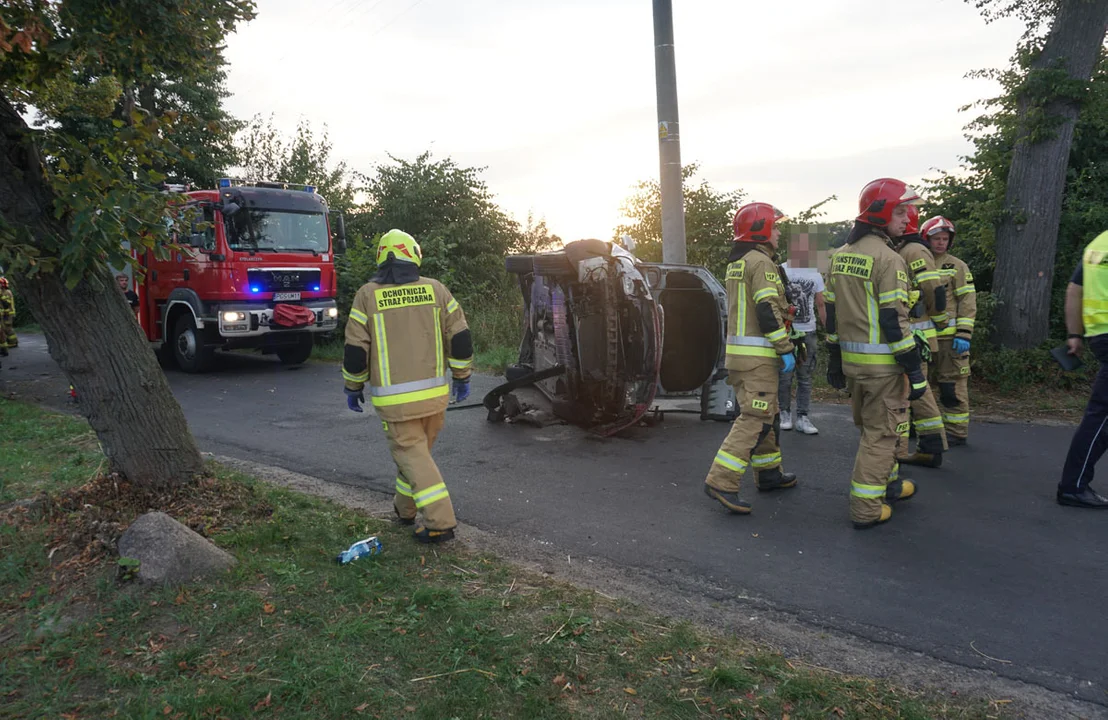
(1091,439)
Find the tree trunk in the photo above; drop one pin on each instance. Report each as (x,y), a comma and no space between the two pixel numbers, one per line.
(93,335)
(1027,236)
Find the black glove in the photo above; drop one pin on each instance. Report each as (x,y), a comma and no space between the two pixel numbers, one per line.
(918,384)
(835,376)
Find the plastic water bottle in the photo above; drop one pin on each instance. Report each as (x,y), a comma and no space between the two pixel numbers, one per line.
(362,548)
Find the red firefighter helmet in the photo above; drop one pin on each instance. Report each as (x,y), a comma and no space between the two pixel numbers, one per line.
(754,222)
(913,221)
(937,224)
(3,283)
(880,198)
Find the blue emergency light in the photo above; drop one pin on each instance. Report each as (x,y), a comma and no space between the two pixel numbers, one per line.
(255,289)
(309,188)
(316,288)
(225,182)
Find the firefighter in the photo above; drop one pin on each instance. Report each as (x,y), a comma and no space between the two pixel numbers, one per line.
(7,318)
(403,333)
(758,351)
(952,369)
(871,349)
(927,312)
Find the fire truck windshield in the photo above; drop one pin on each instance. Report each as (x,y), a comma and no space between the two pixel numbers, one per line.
(277,231)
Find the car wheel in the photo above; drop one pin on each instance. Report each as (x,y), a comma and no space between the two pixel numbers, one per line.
(520,264)
(554,264)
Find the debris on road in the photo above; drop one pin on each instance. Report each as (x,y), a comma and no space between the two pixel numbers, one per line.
(370,546)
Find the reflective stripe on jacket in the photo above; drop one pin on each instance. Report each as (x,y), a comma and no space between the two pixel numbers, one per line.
(405,332)
(961,297)
(923,280)
(1094,296)
(865,277)
(753,279)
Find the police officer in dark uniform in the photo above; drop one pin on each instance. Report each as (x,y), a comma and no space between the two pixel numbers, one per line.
(1087,317)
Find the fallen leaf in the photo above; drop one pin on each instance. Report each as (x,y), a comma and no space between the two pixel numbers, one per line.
(361,708)
(263,703)
(268,608)
(559,680)
(167,709)
(409,708)
(183,665)
(630,691)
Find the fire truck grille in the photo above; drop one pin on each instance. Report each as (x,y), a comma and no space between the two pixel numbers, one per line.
(282,280)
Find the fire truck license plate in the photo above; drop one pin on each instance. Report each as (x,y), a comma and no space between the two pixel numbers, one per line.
(277,297)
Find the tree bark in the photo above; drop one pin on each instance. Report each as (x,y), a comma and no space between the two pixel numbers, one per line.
(1027,236)
(93,336)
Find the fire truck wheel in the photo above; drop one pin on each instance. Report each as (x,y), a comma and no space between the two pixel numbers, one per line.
(188,347)
(298,353)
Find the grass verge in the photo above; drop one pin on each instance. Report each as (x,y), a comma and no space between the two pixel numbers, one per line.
(415,632)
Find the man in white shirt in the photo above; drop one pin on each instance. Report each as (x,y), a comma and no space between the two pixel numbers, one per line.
(805,292)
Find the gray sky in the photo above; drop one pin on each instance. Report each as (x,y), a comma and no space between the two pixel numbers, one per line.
(790,101)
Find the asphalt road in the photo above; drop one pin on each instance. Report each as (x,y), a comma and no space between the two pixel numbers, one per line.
(982,555)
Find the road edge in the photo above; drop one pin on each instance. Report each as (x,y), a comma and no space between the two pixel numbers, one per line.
(715,609)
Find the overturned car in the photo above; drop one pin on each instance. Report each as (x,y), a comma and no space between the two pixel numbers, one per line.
(605,335)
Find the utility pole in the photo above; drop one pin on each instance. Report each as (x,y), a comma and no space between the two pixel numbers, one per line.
(669,136)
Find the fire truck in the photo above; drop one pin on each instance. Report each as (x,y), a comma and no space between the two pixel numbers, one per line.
(254,269)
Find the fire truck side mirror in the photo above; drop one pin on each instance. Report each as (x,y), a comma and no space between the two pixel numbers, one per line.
(229,209)
(338,231)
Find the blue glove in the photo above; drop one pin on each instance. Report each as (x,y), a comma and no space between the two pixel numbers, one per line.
(961,347)
(354,399)
(461,390)
(790,363)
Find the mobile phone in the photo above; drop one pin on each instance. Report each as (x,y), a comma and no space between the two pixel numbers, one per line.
(1068,362)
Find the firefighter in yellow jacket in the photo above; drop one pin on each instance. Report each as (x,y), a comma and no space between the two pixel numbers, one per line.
(871,349)
(403,334)
(7,318)
(953,363)
(926,313)
(758,350)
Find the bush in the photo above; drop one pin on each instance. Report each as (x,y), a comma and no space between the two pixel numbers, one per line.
(1010,370)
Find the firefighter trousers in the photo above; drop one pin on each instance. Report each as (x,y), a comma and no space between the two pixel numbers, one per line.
(880,407)
(952,374)
(753,439)
(928,421)
(7,331)
(419,485)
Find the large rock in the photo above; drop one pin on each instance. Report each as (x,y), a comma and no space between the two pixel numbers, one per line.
(169,552)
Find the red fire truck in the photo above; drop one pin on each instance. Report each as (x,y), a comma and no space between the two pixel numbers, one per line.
(256,271)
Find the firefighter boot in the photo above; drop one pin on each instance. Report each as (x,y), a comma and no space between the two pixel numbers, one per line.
(955,441)
(430,537)
(899,490)
(774,479)
(729,500)
(886,513)
(401,519)
(929,452)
